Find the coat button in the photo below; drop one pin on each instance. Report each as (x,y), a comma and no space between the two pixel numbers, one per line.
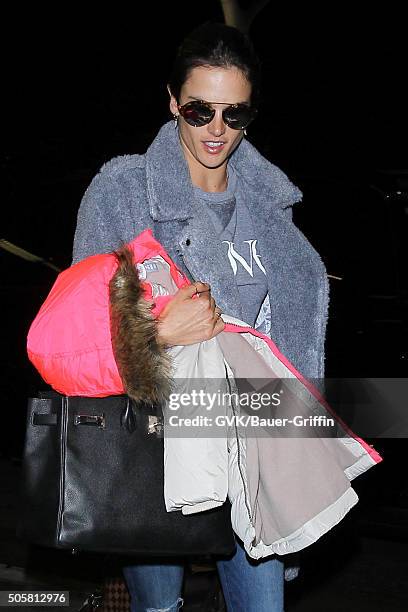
(188,242)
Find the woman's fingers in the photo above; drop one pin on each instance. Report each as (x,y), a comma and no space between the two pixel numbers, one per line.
(201,288)
(192,316)
(196,288)
(219,325)
(212,304)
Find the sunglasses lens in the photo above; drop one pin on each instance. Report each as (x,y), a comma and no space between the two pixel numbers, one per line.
(239,117)
(196,113)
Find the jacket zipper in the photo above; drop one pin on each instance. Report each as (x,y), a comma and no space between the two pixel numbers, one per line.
(236,325)
(248,507)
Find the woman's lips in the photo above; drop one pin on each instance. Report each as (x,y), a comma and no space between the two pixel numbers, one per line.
(212,148)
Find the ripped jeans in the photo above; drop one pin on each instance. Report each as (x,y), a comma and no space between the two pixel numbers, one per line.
(248,585)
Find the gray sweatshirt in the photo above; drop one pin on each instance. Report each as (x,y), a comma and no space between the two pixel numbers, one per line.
(237,233)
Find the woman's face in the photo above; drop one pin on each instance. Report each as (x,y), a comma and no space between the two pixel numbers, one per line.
(224,85)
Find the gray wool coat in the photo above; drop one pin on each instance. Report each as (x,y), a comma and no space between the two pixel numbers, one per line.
(134,192)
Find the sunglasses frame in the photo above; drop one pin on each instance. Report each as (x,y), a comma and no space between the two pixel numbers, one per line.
(253,110)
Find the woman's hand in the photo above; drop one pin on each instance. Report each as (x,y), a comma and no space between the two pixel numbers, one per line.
(190,317)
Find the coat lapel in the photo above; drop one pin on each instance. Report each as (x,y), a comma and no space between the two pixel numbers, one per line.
(297,279)
(204,255)
(296,285)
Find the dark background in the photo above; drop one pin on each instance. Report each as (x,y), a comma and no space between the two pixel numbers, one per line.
(82,86)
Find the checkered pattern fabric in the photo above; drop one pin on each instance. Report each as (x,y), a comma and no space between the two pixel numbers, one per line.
(116,597)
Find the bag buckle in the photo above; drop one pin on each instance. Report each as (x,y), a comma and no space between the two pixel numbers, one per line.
(96,420)
(155,426)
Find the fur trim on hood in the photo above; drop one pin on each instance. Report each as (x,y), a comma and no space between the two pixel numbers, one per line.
(143,364)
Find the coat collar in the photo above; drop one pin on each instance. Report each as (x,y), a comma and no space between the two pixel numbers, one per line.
(170,189)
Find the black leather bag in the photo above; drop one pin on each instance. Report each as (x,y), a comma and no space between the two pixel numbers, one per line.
(92,480)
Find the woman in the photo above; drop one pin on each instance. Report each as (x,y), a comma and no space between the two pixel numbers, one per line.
(223,213)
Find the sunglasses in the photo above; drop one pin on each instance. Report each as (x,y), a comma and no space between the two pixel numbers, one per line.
(236,116)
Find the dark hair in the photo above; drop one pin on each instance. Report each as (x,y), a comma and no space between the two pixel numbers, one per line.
(216,45)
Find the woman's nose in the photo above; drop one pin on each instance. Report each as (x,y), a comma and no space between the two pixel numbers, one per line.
(217,126)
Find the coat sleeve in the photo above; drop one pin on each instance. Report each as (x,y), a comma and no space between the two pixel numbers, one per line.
(96,230)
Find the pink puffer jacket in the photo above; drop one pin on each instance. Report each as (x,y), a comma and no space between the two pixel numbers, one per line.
(70,341)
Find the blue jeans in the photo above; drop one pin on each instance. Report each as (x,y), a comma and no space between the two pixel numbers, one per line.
(248,585)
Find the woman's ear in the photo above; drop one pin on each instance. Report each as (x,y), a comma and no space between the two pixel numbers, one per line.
(173,102)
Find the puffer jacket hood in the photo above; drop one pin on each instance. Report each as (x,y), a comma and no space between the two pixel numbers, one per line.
(71,343)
